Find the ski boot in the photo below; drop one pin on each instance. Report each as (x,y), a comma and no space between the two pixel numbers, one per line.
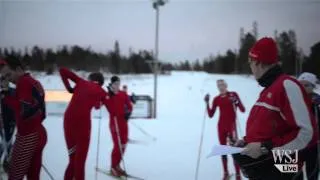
(115,173)
(121,171)
(226,176)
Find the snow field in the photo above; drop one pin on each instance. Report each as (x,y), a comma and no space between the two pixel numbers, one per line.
(177,129)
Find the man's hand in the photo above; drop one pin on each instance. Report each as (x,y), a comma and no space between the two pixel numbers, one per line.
(133,98)
(239,143)
(127,116)
(206,98)
(252,150)
(234,100)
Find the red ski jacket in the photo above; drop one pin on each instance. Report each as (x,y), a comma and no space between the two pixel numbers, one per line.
(282,115)
(28,104)
(86,95)
(118,105)
(228,104)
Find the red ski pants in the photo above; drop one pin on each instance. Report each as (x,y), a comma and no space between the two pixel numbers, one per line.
(120,140)
(225,133)
(77,136)
(26,158)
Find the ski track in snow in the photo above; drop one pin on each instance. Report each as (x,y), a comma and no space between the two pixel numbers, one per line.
(177,129)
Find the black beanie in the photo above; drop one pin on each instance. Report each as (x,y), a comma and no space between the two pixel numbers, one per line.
(114,79)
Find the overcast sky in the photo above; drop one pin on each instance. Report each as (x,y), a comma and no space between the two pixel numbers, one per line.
(189,29)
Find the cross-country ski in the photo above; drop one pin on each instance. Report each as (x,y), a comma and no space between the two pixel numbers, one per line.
(127,176)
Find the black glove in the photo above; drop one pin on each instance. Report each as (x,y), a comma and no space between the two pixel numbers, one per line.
(127,116)
(206,98)
(71,90)
(234,100)
(133,98)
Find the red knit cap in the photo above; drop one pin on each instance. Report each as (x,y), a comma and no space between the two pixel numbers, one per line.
(265,51)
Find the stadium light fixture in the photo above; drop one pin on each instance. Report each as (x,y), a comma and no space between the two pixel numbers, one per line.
(156,4)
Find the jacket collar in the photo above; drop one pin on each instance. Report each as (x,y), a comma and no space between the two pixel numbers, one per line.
(270,76)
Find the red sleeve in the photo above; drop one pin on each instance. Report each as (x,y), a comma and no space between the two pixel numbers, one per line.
(212,110)
(31,98)
(67,75)
(107,103)
(25,95)
(294,110)
(24,101)
(240,105)
(102,95)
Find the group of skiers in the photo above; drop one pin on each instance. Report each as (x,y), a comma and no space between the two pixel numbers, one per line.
(24,108)
(77,119)
(285,117)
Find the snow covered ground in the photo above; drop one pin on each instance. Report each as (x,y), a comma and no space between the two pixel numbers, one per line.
(177,129)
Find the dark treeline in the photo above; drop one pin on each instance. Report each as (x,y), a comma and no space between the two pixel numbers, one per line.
(293,60)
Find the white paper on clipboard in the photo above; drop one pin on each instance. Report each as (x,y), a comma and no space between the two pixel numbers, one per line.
(219,150)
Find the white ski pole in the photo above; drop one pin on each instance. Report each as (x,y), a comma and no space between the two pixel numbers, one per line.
(120,144)
(98,146)
(238,126)
(143,131)
(200,146)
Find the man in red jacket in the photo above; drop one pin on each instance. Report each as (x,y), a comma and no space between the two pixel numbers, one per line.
(228,102)
(120,108)
(30,111)
(280,120)
(77,118)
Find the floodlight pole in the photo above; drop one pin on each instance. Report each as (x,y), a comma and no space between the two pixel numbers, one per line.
(2,23)
(156,5)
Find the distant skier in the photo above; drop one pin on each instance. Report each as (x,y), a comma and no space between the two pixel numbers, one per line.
(8,123)
(77,124)
(30,111)
(309,81)
(228,102)
(120,109)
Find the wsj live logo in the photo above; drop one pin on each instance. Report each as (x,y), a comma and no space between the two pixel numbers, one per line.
(286,161)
